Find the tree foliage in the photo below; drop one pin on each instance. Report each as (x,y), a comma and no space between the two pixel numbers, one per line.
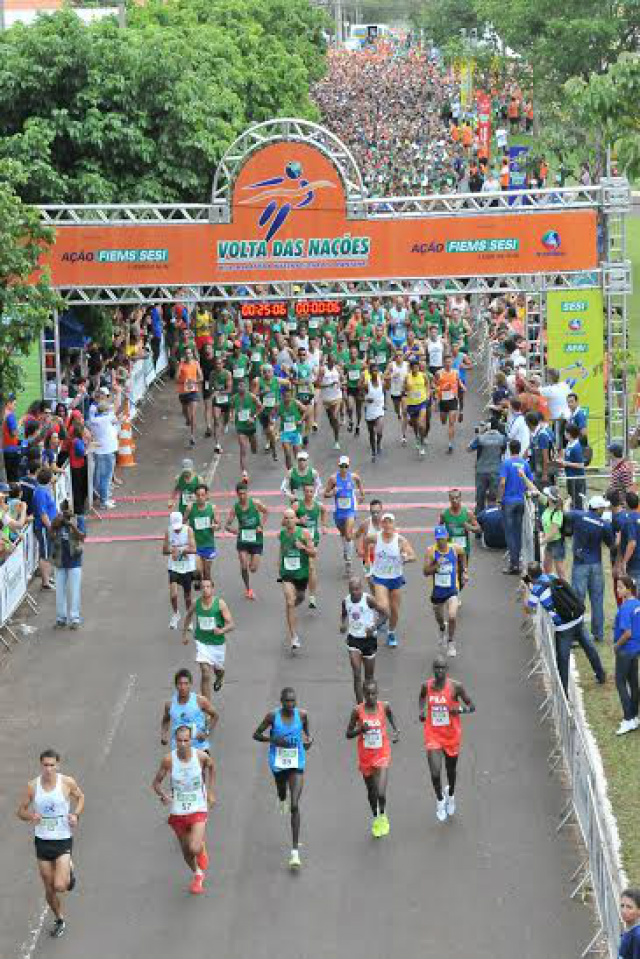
(98,114)
(24,306)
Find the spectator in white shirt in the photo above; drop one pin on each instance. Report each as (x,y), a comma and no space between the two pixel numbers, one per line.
(104,429)
(517,428)
(556,394)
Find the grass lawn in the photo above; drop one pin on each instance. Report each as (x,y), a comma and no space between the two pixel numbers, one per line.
(620,754)
(633,251)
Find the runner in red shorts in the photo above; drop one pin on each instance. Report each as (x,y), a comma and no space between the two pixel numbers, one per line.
(369,723)
(192,774)
(442,702)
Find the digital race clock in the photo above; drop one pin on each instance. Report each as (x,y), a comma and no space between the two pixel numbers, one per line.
(318,307)
(259,311)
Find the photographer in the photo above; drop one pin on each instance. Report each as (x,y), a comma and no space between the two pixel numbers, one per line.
(566,610)
(489,444)
(67,535)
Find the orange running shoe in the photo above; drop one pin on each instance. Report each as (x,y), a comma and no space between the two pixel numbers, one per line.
(203,859)
(196,884)
(249,594)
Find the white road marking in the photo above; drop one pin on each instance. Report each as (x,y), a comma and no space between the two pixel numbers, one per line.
(211,475)
(30,943)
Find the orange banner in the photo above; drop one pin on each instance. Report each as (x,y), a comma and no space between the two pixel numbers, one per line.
(289,223)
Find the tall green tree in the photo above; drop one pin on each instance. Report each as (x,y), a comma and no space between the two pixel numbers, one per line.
(98,114)
(25,303)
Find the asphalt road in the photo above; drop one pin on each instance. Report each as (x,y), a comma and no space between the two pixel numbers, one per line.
(490,884)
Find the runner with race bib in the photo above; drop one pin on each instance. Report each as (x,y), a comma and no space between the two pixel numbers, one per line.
(368,723)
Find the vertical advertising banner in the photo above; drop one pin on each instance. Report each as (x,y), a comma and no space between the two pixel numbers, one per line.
(575,338)
(484,125)
(517,168)
(466,84)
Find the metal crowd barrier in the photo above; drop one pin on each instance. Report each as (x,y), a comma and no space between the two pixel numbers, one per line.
(598,867)
(18,569)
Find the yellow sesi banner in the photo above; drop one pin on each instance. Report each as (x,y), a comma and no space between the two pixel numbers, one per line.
(575,338)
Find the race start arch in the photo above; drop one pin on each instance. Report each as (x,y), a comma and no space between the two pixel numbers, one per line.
(289,216)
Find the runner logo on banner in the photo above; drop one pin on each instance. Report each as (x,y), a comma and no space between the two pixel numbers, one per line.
(466,84)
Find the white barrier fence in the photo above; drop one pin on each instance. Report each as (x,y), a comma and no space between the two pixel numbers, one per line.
(598,868)
(19,567)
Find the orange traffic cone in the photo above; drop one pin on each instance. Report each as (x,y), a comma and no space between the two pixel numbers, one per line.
(126,446)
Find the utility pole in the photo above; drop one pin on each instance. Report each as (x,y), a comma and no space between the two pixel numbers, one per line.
(122,13)
(2,17)
(339,22)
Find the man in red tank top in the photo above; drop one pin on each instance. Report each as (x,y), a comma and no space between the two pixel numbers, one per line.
(442,702)
(368,723)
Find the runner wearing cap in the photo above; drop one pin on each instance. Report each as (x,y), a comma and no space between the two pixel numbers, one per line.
(442,702)
(417,393)
(446,562)
(179,545)
(343,488)
(248,515)
(368,723)
(184,488)
(390,552)
(301,475)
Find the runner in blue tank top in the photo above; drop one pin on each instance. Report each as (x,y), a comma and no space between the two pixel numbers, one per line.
(447,563)
(187,708)
(288,739)
(345,487)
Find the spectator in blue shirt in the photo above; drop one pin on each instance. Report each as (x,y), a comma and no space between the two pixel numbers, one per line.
(626,643)
(511,493)
(629,947)
(541,448)
(44,510)
(590,533)
(491,522)
(578,416)
(573,463)
(631,538)
(566,633)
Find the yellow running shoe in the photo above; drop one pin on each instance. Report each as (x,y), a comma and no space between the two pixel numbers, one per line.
(375,827)
(384,827)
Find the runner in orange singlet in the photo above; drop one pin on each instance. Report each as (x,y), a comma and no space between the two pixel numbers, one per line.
(369,723)
(442,702)
(449,386)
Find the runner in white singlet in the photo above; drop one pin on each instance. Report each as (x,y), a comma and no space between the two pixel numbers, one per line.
(179,545)
(391,552)
(47,805)
(192,777)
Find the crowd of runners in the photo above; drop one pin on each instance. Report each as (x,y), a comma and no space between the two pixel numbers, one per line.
(385,372)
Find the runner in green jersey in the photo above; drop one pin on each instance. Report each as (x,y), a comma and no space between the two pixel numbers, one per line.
(239,364)
(296,548)
(222,385)
(364,335)
(203,520)
(212,621)
(380,349)
(257,354)
(353,377)
(246,409)
(291,414)
(302,375)
(458,331)
(313,516)
(184,490)
(247,517)
(460,522)
(267,387)
(301,475)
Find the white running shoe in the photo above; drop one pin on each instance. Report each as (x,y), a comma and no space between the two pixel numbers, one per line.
(175,619)
(294,860)
(626,726)
(336,446)
(450,802)
(636,722)
(451,649)
(110,504)
(442,639)
(441,809)
(295,642)
(313,603)
(423,451)
(403,441)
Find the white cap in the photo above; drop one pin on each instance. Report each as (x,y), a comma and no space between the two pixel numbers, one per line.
(388,516)
(176,521)
(598,502)
(104,391)
(303,455)
(344,461)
